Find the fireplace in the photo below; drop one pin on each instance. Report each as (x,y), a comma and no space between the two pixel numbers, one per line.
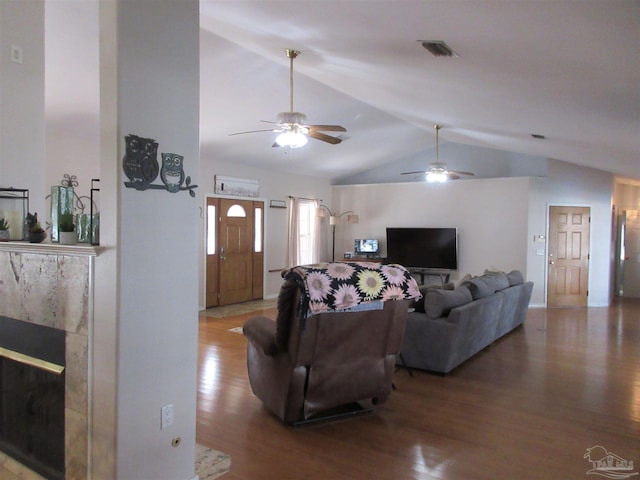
(32,396)
(51,286)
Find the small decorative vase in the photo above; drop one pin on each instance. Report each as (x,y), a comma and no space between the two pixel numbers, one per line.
(67,238)
(4,235)
(37,237)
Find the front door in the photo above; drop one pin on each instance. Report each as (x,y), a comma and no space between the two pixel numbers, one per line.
(234,251)
(568,256)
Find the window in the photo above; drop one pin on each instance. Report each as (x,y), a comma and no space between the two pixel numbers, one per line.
(211,229)
(236,211)
(257,229)
(303,232)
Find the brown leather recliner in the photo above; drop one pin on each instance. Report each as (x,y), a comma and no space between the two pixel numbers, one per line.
(304,365)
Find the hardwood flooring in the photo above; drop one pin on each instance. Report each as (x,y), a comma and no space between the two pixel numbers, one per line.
(527,407)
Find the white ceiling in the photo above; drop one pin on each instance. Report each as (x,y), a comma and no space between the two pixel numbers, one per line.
(565,69)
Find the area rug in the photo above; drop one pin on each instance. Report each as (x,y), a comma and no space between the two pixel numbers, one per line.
(235,330)
(210,463)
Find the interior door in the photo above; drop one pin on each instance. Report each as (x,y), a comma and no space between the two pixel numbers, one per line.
(631,254)
(568,278)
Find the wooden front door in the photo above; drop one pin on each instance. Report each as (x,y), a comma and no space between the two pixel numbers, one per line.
(234,251)
(568,277)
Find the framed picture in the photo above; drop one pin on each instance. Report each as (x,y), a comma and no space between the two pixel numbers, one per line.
(277,204)
(240,187)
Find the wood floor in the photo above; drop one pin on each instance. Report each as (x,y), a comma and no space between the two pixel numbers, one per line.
(528,407)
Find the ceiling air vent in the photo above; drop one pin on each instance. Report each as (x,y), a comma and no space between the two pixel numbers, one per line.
(438,48)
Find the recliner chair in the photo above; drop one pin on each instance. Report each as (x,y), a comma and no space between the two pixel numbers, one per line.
(334,342)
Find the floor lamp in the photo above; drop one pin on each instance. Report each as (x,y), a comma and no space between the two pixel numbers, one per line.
(334,219)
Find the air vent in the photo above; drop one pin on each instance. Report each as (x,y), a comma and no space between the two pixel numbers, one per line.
(438,48)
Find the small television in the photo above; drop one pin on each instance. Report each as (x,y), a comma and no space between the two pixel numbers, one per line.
(365,246)
(423,247)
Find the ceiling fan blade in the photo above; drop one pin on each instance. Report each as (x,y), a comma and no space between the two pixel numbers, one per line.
(324,138)
(413,173)
(461,173)
(327,128)
(269,121)
(255,131)
(452,176)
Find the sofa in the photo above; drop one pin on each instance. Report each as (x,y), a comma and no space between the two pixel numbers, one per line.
(450,325)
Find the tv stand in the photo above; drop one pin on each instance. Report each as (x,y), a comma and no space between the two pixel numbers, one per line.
(443,274)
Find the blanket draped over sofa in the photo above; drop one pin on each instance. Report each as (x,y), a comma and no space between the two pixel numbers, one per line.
(450,326)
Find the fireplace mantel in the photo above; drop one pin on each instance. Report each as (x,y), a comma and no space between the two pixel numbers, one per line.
(52,285)
(45,248)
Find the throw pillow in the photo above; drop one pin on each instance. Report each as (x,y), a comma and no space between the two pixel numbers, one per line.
(515,278)
(438,303)
(496,280)
(464,279)
(418,305)
(479,288)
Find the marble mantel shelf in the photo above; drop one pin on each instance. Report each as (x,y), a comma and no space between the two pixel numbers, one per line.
(77,250)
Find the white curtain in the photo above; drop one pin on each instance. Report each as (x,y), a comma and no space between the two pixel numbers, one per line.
(299,208)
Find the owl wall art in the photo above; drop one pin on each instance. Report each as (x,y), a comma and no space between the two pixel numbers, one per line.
(140,165)
(172,173)
(140,162)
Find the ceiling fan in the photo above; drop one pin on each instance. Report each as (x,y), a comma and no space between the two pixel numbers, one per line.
(437,171)
(292,126)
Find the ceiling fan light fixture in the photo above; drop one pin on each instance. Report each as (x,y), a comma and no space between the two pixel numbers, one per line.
(436,177)
(292,139)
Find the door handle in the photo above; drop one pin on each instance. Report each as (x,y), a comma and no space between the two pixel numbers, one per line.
(552,262)
(222,257)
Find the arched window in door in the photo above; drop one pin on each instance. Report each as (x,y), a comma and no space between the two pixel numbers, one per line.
(236,211)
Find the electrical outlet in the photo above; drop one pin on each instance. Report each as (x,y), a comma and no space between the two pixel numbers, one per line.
(166,416)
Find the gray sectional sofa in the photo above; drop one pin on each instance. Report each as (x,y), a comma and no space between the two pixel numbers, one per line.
(450,325)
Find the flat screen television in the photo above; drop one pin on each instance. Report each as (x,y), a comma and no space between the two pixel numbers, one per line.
(423,247)
(363,246)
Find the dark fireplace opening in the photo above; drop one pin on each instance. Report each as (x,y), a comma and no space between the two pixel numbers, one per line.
(32,392)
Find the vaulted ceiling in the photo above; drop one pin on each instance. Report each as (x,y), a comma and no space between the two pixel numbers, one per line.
(567,70)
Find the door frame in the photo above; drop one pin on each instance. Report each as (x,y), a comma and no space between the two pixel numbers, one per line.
(203,240)
(546,247)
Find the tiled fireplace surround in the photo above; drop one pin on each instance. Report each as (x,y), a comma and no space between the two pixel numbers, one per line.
(52,285)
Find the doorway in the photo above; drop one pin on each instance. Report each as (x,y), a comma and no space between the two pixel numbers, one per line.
(235,253)
(568,269)
(629,254)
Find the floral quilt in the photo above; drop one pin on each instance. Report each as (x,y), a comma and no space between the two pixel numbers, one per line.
(341,286)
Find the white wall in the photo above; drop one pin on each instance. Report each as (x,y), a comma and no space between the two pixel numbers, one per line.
(22,99)
(569,184)
(490,215)
(72,95)
(273,186)
(147,270)
(496,220)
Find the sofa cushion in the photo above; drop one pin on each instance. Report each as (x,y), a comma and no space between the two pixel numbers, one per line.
(496,280)
(479,288)
(418,305)
(515,278)
(438,303)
